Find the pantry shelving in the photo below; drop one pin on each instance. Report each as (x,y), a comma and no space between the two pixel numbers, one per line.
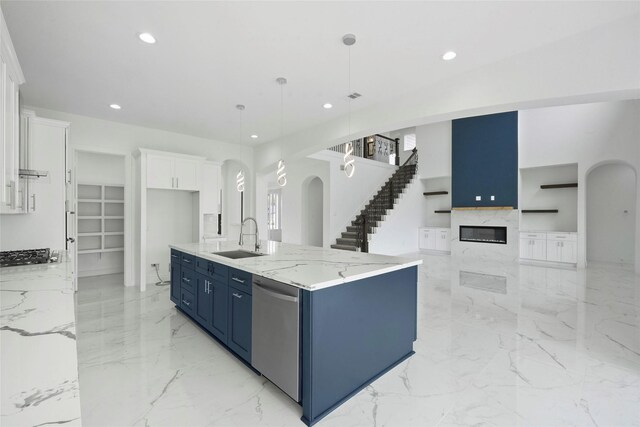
(100,218)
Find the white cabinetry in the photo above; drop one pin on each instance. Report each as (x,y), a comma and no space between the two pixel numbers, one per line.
(551,246)
(533,246)
(11,78)
(434,239)
(166,171)
(562,247)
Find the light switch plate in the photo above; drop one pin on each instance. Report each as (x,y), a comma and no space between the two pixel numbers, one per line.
(493,197)
(478,198)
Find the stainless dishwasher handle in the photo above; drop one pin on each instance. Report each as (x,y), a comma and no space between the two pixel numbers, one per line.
(275,294)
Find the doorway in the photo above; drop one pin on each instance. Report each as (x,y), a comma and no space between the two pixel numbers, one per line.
(313,212)
(611,216)
(274,215)
(101,198)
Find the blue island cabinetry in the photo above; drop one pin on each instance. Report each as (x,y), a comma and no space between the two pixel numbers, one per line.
(350,333)
(202,290)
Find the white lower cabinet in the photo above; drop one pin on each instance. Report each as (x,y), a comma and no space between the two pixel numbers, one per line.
(435,239)
(553,247)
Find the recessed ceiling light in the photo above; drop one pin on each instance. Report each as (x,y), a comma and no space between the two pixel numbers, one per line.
(448,56)
(115,106)
(147,38)
(327,106)
(254,136)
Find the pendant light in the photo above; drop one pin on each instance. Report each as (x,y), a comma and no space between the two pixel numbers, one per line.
(349,166)
(240,174)
(281,173)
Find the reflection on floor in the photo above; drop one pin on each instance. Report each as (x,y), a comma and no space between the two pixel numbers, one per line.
(498,345)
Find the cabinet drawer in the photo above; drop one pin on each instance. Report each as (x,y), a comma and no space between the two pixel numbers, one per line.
(188,260)
(188,279)
(187,301)
(537,236)
(176,255)
(212,269)
(240,280)
(563,236)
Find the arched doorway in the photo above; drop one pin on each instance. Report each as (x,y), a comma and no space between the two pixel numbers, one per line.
(611,216)
(312,223)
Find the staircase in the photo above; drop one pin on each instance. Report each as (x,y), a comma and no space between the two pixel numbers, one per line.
(357,235)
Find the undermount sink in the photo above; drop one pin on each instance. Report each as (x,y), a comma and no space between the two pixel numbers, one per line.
(237,254)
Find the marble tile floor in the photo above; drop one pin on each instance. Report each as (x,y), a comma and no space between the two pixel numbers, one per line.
(501,345)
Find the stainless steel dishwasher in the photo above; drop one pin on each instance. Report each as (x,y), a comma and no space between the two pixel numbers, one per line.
(275,333)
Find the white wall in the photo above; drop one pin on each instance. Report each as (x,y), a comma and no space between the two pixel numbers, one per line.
(611,199)
(170,219)
(586,134)
(434,149)
(398,234)
(531,196)
(312,211)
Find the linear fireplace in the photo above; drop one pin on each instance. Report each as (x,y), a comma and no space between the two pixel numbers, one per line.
(483,234)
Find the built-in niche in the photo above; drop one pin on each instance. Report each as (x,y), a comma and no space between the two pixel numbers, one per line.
(436,203)
(549,198)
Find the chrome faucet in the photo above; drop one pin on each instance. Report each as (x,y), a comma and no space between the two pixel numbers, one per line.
(241,241)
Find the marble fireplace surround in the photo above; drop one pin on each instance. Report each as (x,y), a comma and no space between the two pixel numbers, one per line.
(503,217)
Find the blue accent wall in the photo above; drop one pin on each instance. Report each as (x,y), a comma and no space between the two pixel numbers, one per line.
(484,160)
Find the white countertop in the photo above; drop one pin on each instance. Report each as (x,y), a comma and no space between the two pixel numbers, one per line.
(38,346)
(306,267)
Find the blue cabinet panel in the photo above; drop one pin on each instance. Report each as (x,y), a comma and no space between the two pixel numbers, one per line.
(239,339)
(219,302)
(175,282)
(204,304)
(484,160)
(352,334)
(240,280)
(188,260)
(188,279)
(187,302)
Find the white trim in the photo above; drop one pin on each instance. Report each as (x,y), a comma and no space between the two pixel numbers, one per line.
(169,154)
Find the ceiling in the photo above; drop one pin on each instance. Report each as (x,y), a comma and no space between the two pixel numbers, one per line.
(79,57)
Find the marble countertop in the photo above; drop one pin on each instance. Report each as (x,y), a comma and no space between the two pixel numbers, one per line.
(38,346)
(306,267)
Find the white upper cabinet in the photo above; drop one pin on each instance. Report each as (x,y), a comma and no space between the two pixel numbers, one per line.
(187,174)
(160,171)
(173,172)
(11,78)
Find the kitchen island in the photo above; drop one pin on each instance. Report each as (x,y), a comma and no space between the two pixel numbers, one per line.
(38,346)
(355,317)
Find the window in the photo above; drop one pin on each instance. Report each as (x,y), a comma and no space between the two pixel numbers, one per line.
(409,141)
(273,210)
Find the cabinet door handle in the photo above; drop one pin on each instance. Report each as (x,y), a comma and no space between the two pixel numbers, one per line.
(187,303)
(184,279)
(177,183)
(174,256)
(187,261)
(237,295)
(33,206)
(235,279)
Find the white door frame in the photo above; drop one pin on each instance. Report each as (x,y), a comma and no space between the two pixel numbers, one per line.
(128,198)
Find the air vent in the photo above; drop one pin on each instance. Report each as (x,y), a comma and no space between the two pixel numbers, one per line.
(354,95)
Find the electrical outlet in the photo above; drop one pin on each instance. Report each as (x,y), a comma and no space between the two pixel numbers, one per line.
(154,265)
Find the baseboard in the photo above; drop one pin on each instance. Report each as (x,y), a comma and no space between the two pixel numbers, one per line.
(100,272)
(552,264)
(434,252)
